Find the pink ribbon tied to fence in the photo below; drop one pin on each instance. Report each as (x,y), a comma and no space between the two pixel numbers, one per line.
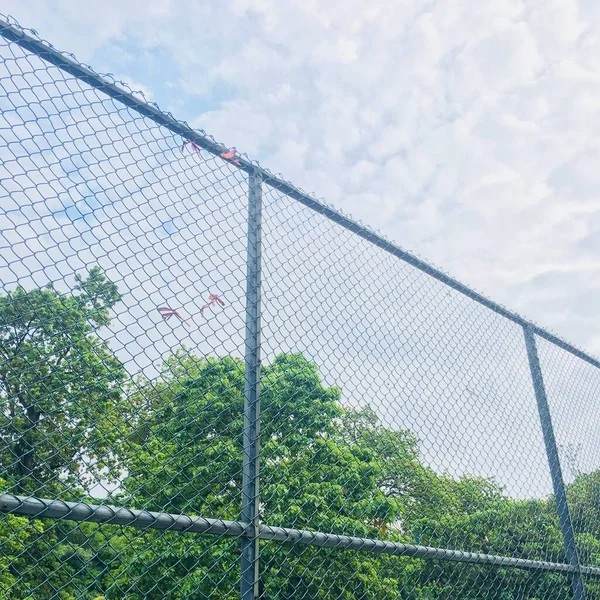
(212,300)
(193,145)
(166,313)
(230,155)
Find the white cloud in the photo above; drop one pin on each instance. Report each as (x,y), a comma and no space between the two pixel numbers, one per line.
(467,132)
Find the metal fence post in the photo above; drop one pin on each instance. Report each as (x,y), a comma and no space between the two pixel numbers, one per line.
(251,452)
(558,483)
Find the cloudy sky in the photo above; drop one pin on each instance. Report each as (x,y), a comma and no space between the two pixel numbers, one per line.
(465,131)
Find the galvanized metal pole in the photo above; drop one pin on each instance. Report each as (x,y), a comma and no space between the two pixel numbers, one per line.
(251,471)
(558,483)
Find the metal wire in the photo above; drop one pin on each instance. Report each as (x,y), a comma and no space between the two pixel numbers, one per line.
(212,385)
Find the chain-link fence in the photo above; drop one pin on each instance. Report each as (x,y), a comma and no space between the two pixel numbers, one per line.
(176,321)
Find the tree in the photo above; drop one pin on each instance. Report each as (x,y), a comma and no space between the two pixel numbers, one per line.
(62,419)
(60,386)
(319,471)
(44,558)
(584,502)
(324,466)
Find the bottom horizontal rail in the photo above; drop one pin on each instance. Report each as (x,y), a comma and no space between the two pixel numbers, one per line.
(114,515)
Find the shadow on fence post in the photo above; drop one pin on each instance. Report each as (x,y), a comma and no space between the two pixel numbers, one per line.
(251,453)
(554,462)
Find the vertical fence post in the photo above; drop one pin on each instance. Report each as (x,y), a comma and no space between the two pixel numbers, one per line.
(250,467)
(553,460)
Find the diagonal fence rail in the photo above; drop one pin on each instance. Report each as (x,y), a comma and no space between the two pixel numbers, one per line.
(178,324)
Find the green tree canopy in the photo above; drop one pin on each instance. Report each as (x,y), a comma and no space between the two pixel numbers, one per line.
(60,385)
(176,445)
(323,467)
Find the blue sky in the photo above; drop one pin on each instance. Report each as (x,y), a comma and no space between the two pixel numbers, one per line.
(466,132)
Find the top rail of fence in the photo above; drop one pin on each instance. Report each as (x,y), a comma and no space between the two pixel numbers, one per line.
(29,40)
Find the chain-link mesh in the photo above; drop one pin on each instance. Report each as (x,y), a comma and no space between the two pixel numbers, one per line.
(425,389)
(408,431)
(106,220)
(573,392)
(335,574)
